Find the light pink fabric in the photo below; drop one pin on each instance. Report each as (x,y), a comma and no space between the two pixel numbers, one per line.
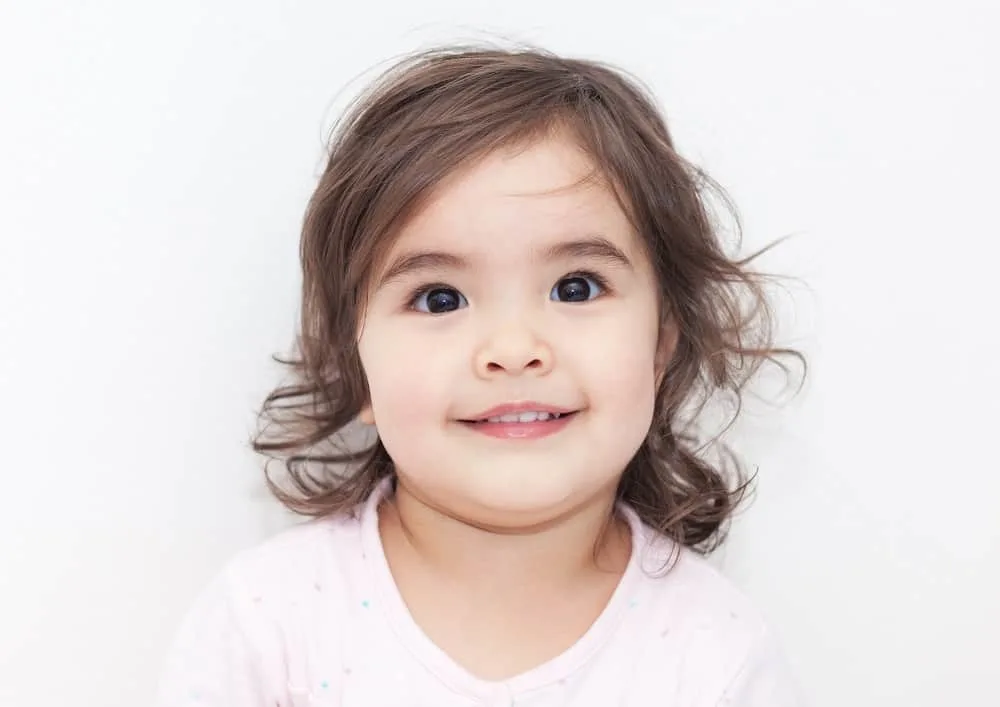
(312,618)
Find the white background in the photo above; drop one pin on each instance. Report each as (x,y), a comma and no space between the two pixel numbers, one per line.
(155,160)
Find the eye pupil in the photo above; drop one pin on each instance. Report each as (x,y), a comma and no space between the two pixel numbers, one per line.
(573,289)
(442,300)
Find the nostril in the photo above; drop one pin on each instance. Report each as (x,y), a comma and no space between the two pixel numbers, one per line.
(494,367)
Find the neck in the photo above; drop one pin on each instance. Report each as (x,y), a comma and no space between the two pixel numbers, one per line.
(546,556)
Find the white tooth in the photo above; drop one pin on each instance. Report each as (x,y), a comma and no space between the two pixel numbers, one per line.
(531,416)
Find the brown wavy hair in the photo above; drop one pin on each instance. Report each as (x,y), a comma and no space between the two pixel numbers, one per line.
(440,109)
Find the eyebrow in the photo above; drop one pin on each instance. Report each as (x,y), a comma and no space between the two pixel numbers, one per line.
(593,248)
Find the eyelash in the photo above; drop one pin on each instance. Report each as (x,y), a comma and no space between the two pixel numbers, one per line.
(422,290)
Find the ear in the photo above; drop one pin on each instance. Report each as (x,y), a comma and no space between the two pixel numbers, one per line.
(367,415)
(665,348)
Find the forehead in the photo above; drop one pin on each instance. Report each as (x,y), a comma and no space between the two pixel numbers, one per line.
(517,200)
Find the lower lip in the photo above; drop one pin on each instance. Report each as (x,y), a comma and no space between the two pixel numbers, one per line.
(521,430)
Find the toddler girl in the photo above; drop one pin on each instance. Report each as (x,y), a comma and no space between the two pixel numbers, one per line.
(513,300)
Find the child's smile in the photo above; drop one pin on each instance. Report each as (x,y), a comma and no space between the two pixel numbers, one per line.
(521,420)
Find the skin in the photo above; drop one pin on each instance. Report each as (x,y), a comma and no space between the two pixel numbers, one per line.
(492,541)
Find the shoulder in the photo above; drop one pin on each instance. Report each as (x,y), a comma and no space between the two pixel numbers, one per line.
(315,556)
(243,639)
(678,576)
(682,584)
(708,630)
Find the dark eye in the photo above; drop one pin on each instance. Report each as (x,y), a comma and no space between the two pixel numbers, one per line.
(439,300)
(578,288)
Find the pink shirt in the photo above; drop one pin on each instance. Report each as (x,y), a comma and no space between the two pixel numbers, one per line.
(312,618)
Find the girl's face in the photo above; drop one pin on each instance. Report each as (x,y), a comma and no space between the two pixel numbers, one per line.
(515,289)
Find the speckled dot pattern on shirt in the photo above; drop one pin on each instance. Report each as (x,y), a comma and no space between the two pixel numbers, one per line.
(312,618)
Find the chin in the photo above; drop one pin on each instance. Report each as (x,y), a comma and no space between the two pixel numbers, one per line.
(523,501)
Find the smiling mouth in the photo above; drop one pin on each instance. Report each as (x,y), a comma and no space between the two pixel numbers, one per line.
(526,417)
(522,425)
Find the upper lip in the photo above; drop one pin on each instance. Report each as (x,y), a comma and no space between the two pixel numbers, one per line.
(519,407)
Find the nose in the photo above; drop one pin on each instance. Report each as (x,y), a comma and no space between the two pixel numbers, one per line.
(513,349)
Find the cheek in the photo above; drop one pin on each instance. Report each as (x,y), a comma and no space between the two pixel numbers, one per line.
(628,382)
(408,381)
(622,365)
